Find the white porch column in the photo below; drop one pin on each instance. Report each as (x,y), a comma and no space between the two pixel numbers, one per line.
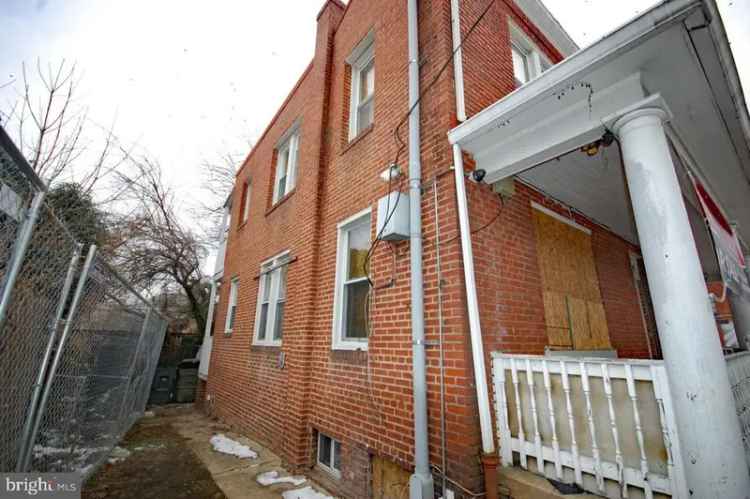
(709,430)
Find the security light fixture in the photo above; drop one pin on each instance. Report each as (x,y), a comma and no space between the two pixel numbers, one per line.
(478,175)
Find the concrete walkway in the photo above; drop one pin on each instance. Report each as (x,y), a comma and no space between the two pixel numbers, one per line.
(192,466)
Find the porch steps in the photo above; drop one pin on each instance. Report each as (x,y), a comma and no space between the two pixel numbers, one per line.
(525,485)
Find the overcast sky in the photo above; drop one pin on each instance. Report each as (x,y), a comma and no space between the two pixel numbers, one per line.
(188,79)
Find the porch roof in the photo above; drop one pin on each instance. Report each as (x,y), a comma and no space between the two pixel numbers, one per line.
(675,55)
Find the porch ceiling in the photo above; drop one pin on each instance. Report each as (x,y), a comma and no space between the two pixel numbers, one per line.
(674,54)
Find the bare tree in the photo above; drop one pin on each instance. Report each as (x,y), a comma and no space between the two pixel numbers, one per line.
(218,181)
(154,248)
(54,131)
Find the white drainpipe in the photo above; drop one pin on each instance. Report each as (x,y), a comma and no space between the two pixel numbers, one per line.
(490,457)
(458,66)
(475,330)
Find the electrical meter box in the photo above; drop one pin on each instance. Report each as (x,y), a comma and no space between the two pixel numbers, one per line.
(393,209)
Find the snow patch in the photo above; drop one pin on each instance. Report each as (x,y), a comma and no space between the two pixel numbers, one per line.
(305,493)
(272,477)
(85,470)
(118,454)
(226,445)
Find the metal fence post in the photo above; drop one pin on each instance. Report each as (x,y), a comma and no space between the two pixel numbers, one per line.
(133,362)
(25,442)
(58,355)
(19,253)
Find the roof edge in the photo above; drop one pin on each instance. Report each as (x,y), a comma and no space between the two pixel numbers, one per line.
(540,15)
(729,66)
(655,19)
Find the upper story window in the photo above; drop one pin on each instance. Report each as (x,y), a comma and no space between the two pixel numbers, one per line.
(269,316)
(352,285)
(286,165)
(232,306)
(362,106)
(245,206)
(528,61)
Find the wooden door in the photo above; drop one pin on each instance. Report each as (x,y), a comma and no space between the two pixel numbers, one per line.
(573,308)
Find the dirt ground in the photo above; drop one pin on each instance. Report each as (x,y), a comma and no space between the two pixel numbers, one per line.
(171,458)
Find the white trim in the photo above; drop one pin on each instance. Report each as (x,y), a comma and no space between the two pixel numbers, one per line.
(529,51)
(325,467)
(273,300)
(290,147)
(337,340)
(246,185)
(360,58)
(234,291)
(353,218)
(560,218)
(293,128)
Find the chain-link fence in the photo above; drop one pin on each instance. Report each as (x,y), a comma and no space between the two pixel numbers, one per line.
(78,346)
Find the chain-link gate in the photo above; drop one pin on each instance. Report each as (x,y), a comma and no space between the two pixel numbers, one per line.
(78,346)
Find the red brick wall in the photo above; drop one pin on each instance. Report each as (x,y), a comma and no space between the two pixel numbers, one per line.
(509,283)
(364,399)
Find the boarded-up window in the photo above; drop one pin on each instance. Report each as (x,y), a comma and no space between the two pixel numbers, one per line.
(573,309)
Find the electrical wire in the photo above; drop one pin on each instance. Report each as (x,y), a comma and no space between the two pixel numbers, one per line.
(401,145)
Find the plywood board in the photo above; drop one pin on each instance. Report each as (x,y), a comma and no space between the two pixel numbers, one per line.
(572,298)
(389,480)
(556,320)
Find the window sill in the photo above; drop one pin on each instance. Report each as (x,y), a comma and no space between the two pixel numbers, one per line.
(350,346)
(267,345)
(358,138)
(280,201)
(330,472)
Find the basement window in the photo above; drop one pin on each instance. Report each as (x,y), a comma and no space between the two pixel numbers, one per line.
(329,455)
(286,165)
(528,60)
(362,106)
(232,308)
(269,316)
(352,284)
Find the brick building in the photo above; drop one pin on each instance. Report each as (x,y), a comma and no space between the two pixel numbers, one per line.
(311,349)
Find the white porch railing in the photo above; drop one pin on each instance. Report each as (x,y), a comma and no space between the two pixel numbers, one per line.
(738,366)
(607,425)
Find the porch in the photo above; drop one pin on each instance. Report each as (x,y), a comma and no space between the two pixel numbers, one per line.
(646,135)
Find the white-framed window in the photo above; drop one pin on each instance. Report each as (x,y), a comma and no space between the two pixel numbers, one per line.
(362,105)
(245,201)
(329,454)
(352,286)
(269,316)
(528,60)
(234,289)
(286,164)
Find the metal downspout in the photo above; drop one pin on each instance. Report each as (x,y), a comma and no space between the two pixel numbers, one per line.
(420,483)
